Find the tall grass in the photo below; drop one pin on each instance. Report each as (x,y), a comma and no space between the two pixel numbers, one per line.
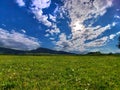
(59,72)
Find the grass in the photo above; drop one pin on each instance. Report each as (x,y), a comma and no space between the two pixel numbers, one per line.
(59,72)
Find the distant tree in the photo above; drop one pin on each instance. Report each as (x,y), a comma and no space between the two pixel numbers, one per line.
(94,53)
(110,53)
(118,42)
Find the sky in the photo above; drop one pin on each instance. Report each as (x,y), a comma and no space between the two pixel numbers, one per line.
(78,26)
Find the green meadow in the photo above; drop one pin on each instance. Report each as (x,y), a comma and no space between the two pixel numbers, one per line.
(59,72)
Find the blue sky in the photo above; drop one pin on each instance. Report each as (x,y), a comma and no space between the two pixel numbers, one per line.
(72,26)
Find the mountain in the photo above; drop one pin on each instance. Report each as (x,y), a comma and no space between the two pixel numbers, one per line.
(49,51)
(10,51)
(35,52)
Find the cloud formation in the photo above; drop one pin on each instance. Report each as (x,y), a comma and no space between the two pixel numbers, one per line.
(17,40)
(85,36)
(36,8)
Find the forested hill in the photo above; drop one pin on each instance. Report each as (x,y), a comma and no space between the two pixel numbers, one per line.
(36,51)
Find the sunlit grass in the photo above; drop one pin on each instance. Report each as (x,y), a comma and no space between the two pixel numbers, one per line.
(59,72)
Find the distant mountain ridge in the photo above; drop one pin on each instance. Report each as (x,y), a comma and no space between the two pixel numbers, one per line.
(36,51)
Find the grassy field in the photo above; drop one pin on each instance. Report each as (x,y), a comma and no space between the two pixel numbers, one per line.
(59,72)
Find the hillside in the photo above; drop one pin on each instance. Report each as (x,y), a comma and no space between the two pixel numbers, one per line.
(36,51)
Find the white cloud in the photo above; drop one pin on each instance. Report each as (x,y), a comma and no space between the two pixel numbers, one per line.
(118,33)
(114,24)
(52,39)
(47,35)
(40,4)
(17,40)
(112,36)
(53,18)
(117,16)
(3,25)
(53,31)
(23,31)
(97,42)
(85,11)
(21,3)
(117,9)
(93,33)
(37,6)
